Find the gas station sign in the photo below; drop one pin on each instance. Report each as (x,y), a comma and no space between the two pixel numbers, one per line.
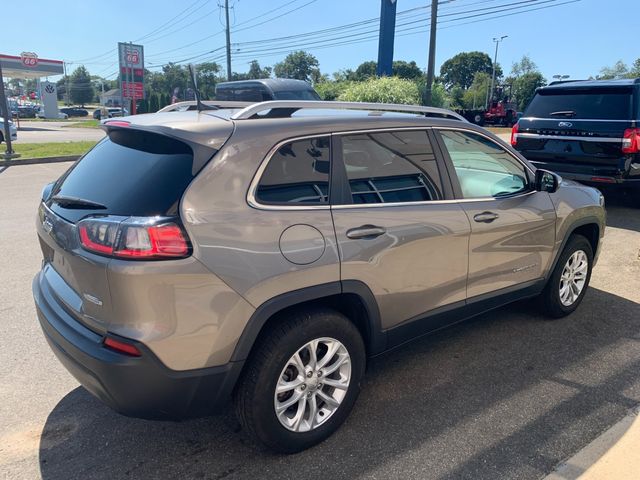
(131,59)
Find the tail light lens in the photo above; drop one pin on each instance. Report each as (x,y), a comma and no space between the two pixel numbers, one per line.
(514,135)
(135,238)
(631,140)
(121,347)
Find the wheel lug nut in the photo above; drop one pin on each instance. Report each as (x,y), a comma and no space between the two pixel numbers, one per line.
(320,373)
(309,374)
(303,387)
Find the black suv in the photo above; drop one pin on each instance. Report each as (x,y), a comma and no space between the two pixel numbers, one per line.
(584,130)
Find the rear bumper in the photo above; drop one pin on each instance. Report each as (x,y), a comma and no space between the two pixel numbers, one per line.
(134,386)
(593,175)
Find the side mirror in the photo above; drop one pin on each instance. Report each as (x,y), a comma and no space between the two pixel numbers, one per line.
(546,181)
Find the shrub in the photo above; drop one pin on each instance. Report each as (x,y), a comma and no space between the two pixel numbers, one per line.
(331,90)
(383,90)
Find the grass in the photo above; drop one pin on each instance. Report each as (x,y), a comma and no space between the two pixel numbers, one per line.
(52,149)
(84,124)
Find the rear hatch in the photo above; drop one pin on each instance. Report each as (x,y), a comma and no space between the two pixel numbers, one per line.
(577,126)
(131,173)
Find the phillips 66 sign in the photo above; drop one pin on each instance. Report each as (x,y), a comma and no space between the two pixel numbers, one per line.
(131,59)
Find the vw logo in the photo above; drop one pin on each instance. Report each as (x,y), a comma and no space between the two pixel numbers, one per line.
(49,88)
(565,124)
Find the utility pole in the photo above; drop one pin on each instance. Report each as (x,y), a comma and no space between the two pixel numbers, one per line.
(66,78)
(493,74)
(226,14)
(6,114)
(431,65)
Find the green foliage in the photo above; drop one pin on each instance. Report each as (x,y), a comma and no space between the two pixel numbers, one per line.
(331,90)
(460,69)
(456,96)
(299,65)
(524,88)
(365,71)
(524,66)
(400,68)
(476,95)
(81,89)
(620,70)
(154,104)
(207,77)
(383,90)
(143,106)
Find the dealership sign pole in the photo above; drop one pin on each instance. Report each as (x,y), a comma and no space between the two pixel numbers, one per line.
(131,59)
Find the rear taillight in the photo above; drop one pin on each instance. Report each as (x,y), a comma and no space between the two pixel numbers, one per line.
(135,238)
(514,135)
(631,140)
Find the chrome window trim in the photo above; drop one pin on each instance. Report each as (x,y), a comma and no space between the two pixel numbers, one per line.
(253,186)
(567,137)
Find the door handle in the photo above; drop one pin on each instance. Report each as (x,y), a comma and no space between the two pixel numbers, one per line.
(366,231)
(485,217)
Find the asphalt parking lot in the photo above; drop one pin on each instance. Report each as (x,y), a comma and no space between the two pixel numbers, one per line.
(42,132)
(506,395)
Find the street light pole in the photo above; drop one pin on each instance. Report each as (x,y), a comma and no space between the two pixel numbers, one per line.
(493,74)
(228,35)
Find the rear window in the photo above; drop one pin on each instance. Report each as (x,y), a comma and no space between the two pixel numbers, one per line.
(601,103)
(131,173)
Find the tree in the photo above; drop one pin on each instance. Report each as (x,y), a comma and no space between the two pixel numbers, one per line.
(299,65)
(207,75)
(400,68)
(524,66)
(524,88)
(460,69)
(409,70)
(331,90)
(383,90)
(366,70)
(154,104)
(255,71)
(476,95)
(619,70)
(81,89)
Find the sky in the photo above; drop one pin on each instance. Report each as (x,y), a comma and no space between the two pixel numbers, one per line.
(563,37)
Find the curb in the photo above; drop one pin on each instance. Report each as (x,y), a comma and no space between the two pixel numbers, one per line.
(36,161)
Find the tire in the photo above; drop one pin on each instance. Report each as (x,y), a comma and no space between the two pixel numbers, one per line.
(1,137)
(554,304)
(272,361)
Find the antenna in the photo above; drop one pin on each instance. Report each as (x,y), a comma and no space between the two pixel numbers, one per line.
(201,106)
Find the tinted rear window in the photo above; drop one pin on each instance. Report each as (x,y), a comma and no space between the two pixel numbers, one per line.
(601,103)
(131,173)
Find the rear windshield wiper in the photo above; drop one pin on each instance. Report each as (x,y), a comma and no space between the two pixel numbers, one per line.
(75,202)
(563,113)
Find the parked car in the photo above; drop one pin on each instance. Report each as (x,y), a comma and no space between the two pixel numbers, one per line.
(75,111)
(263,254)
(12,129)
(61,115)
(265,89)
(584,130)
(112,111)
(26,112)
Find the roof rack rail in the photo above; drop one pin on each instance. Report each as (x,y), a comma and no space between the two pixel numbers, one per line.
(285,108)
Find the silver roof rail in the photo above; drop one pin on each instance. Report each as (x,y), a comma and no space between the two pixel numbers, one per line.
(290,106)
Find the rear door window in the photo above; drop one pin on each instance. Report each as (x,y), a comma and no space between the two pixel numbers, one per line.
(132,173)
(600,103)
(391,167)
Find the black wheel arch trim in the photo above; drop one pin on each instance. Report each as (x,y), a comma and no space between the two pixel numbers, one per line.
(376,341)
(572,228)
